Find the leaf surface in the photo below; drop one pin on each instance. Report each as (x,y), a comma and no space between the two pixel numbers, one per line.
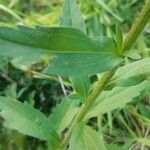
(29,45)
(132,72)
(71,16)
(26,119)
(64,112)
(85,138)
(81,85)
(116,98)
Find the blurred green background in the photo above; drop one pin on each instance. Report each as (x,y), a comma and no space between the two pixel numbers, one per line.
(101,16)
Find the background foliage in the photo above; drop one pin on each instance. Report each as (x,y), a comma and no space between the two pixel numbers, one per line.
(44,94)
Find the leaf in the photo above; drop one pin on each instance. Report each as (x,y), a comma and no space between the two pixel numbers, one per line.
(29,45)
(144,109)
(71,16)
(85,138)
(27,120)
(81,64)
(138,69)
(81,85)
(64,112)
(116,98)
(119,38)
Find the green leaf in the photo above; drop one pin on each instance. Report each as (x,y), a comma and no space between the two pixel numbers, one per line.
(27,120)
(85,138)
(116,98)
(119,38)
(81,64)
(81,85)
(71,16)
(138,70)
(144,109)
(69,49)
(64,112)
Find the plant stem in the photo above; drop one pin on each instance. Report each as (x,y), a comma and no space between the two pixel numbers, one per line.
(89,101)
(39,75)
(137,27)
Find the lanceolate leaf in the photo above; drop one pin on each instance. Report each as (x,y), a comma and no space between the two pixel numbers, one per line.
(56,39)
(64,112)
(85,138)
(30,45)
(71,16)
(27,120)
(117,98)
(138,70)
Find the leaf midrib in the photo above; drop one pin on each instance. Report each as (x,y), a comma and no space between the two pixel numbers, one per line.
(58,51)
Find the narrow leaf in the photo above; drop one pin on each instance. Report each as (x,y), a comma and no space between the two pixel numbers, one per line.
(71,16)
(136,71)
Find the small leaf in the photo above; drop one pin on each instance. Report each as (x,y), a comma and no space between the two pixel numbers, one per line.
(27,120)
(144,109)
(85,138)
(138,70)
(71,16)
(81,85)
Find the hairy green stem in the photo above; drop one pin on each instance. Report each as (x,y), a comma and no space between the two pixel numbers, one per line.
(89,101)
(137,27)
